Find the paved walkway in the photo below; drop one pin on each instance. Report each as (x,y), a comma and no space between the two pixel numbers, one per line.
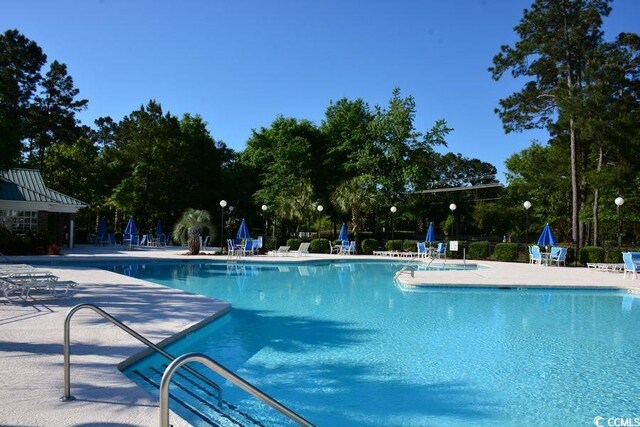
(31,334)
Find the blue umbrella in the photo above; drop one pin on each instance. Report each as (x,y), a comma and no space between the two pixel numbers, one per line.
(343,233)
(159,228)
(131,227)
(243,231)
(546,237)
(102,227)
(431,234)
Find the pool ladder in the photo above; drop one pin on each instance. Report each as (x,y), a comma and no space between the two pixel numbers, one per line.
(170,370)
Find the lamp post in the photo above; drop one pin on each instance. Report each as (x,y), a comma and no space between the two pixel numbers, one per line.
(223,203)
(619,202)
(453,207)
(393,210)
(527,205)
(264,219)
(320,208)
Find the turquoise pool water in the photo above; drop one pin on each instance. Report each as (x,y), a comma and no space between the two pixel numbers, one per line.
(343,346)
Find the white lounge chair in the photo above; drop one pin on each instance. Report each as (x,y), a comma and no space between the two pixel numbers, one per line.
(282,250)
(303,250)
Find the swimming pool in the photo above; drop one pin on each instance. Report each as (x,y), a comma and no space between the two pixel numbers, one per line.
(343,346)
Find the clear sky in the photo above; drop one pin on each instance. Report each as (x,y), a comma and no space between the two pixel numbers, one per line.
(240,63)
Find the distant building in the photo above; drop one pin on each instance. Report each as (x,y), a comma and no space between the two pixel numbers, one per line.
(27,204)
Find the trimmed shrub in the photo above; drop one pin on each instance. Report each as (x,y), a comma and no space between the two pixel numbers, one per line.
(319,246)
(614,256)
(479,250)
(410,246)
(591,254)
(369,245)
(294,244)
(393,245)
(506,252)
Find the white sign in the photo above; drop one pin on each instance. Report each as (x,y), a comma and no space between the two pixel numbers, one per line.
(453,246)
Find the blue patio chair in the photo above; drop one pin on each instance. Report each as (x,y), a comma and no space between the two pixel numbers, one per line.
(441,251)
(534,255)
(247,249)
(630,265)
(255,246)
(422,250)
(558,255)
(351,250)
(162,240)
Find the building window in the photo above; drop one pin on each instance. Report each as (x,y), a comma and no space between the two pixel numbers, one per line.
(19,220)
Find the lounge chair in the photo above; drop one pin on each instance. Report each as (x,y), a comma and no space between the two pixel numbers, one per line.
(558,255)
(303,249)
(535,257)
(630,265)
(282,250)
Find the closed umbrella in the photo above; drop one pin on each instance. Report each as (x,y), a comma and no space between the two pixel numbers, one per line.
(102,227)
(343,233)
(431,234)
(131,227)
(546,237)
(243,231)
(159,230)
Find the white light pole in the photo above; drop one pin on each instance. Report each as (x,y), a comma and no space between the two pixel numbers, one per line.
(393,211)
(619,202)
(320,208)
(453,207)
(223,203)
(526,205)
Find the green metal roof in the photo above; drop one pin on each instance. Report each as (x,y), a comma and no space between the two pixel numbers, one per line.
(28,185)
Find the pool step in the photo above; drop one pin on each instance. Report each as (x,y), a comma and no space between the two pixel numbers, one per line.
(200,400)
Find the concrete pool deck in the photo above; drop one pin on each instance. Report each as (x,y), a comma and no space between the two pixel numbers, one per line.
(31,333)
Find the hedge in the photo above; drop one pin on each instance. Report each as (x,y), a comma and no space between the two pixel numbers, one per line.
(591,254)
(410,246)
(320,246)
(506,252)
(393,245)
(369,245)
(294,244)
(479,250)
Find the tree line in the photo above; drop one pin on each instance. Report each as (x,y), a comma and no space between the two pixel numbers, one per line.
(359,160)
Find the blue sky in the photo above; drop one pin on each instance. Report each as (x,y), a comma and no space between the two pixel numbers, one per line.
(239,64)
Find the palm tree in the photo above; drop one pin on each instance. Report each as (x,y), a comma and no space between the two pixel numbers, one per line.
(190,225)
(297,205)
(357,197)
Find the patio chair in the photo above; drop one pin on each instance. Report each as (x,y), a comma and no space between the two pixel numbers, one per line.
(629,265)
(247,249)
(344,248)
(422,249)
(282,250)
(441,251)
(303,249)
(535,257)
(558,255)
(162,240)
(256,244)
(351,250)
(333,249)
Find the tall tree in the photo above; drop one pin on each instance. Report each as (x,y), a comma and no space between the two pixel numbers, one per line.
(556,41)
(20,62)
(52,114)
(357,197)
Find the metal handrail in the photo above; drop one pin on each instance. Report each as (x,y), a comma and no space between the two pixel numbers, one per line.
(67,349)
(225,373)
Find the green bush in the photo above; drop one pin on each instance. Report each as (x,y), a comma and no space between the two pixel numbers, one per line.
(479,250)
(369,245)
(271,244)
(294,244)
(506,252)
(591,254)
(319,246)
(410,246)
(393,245)
(614,256)
(23,243)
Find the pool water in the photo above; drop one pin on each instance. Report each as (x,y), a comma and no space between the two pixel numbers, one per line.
(343,346)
